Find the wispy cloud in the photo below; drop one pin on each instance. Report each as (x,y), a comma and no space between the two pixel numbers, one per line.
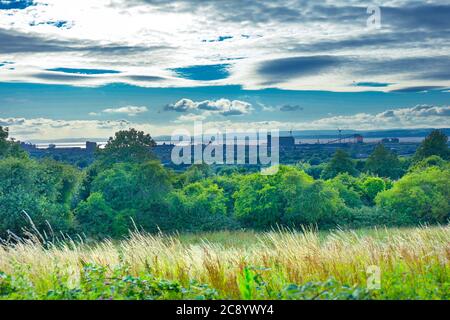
(128,110)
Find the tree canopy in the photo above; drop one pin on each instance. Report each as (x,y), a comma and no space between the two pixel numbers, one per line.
(340,163)
(127,146)
(435,144)
(384,163)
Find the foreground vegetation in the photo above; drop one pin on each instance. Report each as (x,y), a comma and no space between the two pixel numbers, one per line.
(414,264)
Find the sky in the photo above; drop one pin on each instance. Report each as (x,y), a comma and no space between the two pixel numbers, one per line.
(87,68)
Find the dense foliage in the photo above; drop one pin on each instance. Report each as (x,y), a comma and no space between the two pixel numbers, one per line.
(126,188)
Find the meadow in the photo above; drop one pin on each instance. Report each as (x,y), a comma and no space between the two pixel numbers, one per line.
(281,264)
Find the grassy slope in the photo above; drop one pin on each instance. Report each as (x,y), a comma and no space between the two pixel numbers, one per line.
(414,264)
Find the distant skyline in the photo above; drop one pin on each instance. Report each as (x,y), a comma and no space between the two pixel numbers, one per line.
(89,68)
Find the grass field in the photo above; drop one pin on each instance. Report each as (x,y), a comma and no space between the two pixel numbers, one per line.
(412,264)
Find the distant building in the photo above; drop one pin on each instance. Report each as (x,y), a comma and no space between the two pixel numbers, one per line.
(287,142)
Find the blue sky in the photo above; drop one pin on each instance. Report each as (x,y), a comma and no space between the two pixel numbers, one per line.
(159,66)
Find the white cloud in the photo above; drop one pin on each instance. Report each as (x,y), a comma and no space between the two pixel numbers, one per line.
(420,116)
(222,106)
(129,110)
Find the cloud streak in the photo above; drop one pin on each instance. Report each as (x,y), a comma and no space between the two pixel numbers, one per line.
(128,110)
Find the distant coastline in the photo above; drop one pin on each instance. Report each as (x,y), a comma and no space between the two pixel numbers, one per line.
(301,137)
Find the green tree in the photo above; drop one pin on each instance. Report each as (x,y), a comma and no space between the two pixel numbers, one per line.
(315,204)
(127,146)
(44,190)
(290,196)
(95,217)
(195,173)
(384,163)
(9,148)
(200,206)
(435,144)
(372,186)
(258,201)
(348,192)
(340,163)
(421,195)
(117,186)
(135,191)
(433,161)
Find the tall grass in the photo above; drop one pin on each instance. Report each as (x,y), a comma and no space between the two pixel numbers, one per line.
(414,264)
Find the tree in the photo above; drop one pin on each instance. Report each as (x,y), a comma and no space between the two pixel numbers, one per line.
(314,204)
(200,206)
(372,187)
(134,190)
(421,196)
(340,163)
(95,217)
(291,196)
(258,202)
(127,146)
(9,148)
(433,161)
(4,143)
(44,190)
(196,172)
(435,144)
(345,185)
(384,163)
(117,186)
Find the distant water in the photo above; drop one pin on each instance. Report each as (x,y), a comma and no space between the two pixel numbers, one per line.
(80,144)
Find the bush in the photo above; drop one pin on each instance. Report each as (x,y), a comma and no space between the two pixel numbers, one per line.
(340,163)
(433,161)
(95,217)
(366,217)
(289,197)
(199,207)
(422,195)
(384,163)
(373,186)
(43,189)
(346,190)
(134,191)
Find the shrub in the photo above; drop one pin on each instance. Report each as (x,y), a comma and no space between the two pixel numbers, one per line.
(340,163)
(95,217)
(373,186)
(346,190)
(199,207)
(384,163)
(43,189)
(423,195)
